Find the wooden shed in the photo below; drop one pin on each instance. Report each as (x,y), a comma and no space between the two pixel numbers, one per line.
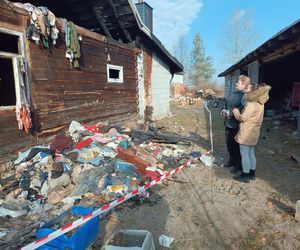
(104,87)
(276,63)
(123,69)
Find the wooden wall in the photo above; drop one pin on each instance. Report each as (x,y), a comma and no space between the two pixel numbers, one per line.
(62,94)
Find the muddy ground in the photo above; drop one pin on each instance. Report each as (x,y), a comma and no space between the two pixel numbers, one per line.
(204,208)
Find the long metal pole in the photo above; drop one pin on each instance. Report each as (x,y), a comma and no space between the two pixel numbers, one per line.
(210,126)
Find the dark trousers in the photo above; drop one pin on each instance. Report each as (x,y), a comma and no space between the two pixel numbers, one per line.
(232,146)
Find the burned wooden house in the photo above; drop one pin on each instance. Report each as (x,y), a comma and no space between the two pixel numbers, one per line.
(276,63)
(92,61)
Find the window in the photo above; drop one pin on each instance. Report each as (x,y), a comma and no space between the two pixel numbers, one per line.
(114,73)
(9,43)
(7,83)
(13,77)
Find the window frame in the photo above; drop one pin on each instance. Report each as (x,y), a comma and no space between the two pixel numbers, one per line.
(119,80)
(14,57)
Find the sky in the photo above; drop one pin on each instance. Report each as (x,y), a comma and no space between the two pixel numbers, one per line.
(209,17)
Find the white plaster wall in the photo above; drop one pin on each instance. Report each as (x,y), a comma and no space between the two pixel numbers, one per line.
(161,80)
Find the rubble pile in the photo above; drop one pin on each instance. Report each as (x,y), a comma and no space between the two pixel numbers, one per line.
(89,165)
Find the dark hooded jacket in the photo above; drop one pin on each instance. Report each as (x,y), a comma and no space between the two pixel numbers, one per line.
(234,100)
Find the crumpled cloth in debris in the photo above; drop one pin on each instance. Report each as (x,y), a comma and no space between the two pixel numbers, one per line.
(13,213)
(51,184)
(61,142)
(86,155)
(57,169)
(196,154)
(76,130)
(14,207)
(101,139)
(60,193)
(88,180)
(108,152)
(29,154)
(83,143)
(78,169)
(93,129)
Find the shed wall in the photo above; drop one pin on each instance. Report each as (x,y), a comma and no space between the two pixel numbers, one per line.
(230,81)
(253,72)
(161,80)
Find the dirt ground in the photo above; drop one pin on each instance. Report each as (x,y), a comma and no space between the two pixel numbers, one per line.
(204,208)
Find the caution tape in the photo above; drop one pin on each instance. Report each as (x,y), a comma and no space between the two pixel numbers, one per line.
(102,209)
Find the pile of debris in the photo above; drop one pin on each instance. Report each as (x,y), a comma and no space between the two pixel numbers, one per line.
(90,166)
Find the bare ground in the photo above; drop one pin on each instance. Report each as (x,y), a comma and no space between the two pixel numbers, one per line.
(204,208)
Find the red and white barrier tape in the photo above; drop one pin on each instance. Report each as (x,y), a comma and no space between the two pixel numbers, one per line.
(101,210)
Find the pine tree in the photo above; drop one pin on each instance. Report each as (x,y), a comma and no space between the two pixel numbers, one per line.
(201,69)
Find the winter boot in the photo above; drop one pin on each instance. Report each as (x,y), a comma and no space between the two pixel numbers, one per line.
(229,164)
(244,177)
(236,169)
(252,175)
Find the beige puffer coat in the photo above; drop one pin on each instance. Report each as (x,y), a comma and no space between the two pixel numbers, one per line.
(251,117)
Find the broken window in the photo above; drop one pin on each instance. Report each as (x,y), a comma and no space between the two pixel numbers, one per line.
(7,83)
(9,49)
(9,43)
(114,74)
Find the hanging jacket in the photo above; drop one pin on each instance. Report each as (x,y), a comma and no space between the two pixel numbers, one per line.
(73,46)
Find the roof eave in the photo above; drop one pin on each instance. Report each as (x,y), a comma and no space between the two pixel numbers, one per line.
(177,66)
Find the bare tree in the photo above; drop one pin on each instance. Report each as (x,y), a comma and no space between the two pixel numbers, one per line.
(181,52)
(238,37)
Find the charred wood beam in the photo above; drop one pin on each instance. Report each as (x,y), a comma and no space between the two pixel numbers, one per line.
(124,30)
(157,136)
(98,14)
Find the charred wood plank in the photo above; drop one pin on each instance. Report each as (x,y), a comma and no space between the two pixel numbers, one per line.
(98,14)
(124,30)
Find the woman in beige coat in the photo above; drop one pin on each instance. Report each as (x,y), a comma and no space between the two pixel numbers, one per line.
(251,119)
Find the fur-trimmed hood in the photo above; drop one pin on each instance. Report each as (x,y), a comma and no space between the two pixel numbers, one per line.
(260,95)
